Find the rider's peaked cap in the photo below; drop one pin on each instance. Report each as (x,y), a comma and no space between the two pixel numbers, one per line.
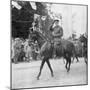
(56,20)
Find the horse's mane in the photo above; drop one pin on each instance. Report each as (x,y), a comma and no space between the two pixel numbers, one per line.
(40,38)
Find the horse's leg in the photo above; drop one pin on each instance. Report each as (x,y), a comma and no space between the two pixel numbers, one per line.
(73,59)
(85,59)
(66,63)
(69,60)
(77,59)
(48,63)
(63,60)
(42,64)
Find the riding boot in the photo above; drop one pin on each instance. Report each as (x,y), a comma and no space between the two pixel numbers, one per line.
(54,52)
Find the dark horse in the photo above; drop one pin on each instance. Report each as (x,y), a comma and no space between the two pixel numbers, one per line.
(84,41)
(65,49)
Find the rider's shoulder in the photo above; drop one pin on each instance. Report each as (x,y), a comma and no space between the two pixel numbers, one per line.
(59,27)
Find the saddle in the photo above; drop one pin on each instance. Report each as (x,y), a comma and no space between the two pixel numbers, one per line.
(57,42)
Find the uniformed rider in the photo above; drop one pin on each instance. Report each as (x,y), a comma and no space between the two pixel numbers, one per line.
(57,33)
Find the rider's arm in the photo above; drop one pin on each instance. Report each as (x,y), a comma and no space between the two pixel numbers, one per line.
(59,33)
(51,28)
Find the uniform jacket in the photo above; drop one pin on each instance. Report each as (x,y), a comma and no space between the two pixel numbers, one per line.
(57,32)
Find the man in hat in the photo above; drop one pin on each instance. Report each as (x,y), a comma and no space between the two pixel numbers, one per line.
(57,33)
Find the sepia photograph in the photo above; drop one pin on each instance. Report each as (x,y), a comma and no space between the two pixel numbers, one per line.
(49,44)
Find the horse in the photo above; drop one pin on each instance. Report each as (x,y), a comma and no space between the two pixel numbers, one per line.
(78,50)
(84,42)
(65,49)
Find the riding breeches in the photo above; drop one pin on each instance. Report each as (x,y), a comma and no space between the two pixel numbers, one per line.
(57,43)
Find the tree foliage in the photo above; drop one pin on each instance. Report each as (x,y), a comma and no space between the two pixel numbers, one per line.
(22,19)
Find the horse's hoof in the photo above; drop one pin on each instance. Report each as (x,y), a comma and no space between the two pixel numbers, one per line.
(28,61)
(52,75)
(16,62)
(77,61)
(38,78)
(68,69)
(86,62)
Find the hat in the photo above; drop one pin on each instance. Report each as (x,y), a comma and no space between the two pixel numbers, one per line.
(56,20)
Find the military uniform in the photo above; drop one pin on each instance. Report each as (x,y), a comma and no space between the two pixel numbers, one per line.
(57,33)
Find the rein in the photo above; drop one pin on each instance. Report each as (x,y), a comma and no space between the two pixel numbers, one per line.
(45,37)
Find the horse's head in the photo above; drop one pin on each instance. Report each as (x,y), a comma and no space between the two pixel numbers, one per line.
(37,36)
(82,38)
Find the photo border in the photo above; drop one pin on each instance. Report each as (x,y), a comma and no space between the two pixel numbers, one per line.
(11,45)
